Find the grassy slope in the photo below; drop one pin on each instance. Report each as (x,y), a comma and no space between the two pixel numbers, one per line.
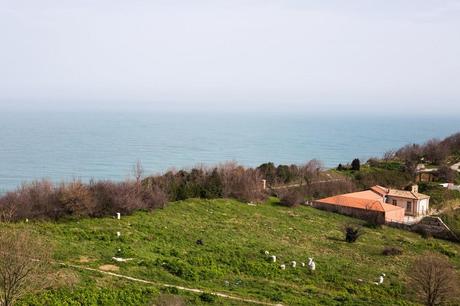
(231,259)
(452,219)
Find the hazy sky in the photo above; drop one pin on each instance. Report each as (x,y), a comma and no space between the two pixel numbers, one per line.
(300,55)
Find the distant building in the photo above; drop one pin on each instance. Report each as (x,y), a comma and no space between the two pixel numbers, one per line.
(379,204)
(428,175)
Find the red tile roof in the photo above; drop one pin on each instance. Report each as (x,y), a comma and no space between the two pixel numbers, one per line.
(343,200)
(380,190)
(367,194)
(407,194)
(372,199)
(398,193)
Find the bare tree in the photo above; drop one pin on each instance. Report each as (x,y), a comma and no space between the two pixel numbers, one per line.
(290,196)
(433,279)
(7,211)
(240,183)
(23,261)
(76,198)
(435,151)
(389,155)
(446,174)
(138,172)
(310,171)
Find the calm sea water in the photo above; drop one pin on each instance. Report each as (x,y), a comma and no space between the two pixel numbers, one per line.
(63,146)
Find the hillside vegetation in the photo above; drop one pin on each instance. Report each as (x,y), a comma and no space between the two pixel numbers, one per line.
(230,259)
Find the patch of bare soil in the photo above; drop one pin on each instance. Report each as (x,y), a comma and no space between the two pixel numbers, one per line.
(109,268)
(85,259)
(66,278)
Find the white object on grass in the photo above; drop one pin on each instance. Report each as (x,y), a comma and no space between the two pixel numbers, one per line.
(119,259)
(311,264)
(380,281)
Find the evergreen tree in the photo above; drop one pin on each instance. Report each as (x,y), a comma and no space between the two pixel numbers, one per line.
(355,164)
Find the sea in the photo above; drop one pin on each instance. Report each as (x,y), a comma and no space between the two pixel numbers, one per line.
(62,146)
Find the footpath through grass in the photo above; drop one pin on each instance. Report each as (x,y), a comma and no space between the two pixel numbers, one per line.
(163,245)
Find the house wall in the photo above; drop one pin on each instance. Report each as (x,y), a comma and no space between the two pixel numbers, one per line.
(424,177)
(402,202)
(423,206)
(396,215)
(419,207)
(370,215)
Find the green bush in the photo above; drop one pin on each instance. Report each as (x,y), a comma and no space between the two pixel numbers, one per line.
(207,297)
(91,295)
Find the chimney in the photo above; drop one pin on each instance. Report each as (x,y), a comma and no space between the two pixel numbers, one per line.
(415,188)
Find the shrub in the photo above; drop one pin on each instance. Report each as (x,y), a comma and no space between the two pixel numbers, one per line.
(276,296)
(171,290)
(423,232)
(268,171)
(240,183)
(207,297)
(76,199)
(285,174)
(352,233)
(290,197)
(392,251)
(445,174)
(169,300)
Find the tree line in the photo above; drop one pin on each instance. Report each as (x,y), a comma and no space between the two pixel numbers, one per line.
(45,200)
(434,151)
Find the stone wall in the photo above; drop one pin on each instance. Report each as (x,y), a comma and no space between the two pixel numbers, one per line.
(435,227)
(432,226)
(368,215)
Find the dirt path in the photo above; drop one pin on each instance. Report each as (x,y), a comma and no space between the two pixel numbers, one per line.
(226,296)
(304,184)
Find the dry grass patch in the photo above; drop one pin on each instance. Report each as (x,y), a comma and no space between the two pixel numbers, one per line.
(109,268)
(85,259)
(63,278)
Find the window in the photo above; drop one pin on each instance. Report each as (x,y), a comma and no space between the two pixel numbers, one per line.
(395,202)
(409,206)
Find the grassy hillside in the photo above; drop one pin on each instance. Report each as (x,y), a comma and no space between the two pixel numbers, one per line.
(390,174)
(452,218)
(231,260)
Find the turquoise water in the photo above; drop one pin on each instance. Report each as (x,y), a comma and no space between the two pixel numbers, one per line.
(62,146)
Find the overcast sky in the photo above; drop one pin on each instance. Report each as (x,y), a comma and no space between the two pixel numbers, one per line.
(290,55)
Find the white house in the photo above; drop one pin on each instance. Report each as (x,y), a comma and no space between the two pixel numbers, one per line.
(415,204)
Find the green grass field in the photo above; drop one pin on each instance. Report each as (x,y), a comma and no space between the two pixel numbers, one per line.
(231,260)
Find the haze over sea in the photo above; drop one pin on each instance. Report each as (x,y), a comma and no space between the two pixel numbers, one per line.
(105,145)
